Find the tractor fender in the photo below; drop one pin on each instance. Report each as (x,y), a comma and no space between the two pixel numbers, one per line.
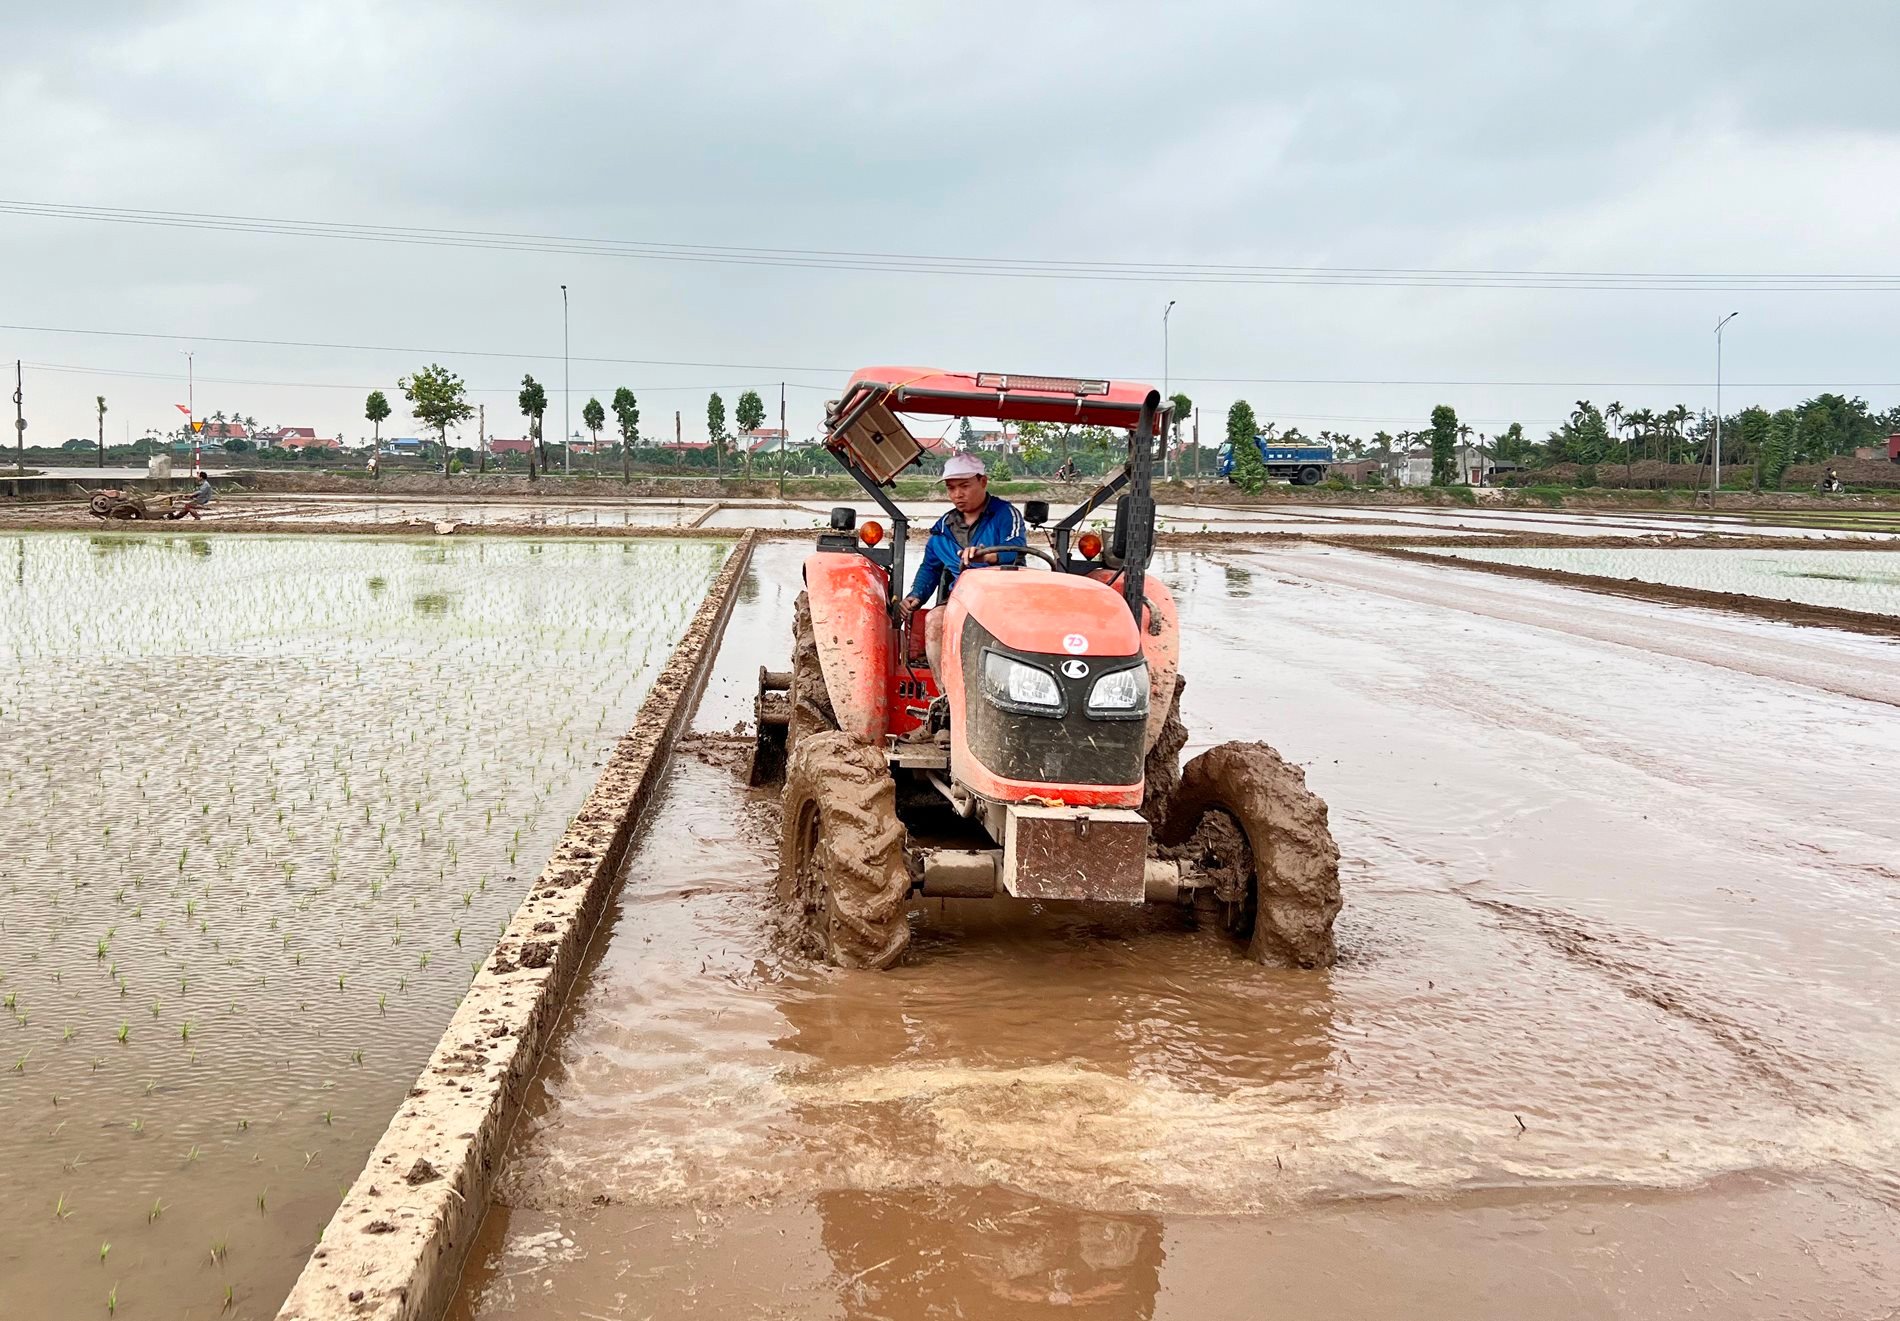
(852,627)
(1161,645)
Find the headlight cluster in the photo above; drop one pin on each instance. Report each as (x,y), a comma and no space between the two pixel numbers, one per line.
(1123,693)
(1017,685)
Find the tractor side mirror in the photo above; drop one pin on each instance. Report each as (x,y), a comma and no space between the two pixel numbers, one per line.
(843,518)
(1035,512)
(1118,540)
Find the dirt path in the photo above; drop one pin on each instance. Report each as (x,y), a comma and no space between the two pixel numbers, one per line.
(1610,1035)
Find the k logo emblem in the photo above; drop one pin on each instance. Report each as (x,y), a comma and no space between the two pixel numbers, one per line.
(1075,669)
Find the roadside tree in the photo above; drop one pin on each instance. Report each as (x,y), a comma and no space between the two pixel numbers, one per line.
(1444,434)
(1250,470)
(716,429)
(594,417)
(750,415)
(376,408)
(627,414)
(533,401)
(437,397)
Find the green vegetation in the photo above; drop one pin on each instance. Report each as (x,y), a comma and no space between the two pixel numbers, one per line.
(437,397)
(1250,470)
(376,410)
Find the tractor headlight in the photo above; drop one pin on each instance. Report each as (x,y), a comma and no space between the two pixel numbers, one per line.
(1123,693)
(1014,686)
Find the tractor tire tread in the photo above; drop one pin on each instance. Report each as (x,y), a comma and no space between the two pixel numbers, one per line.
(1296,861)
(859,853)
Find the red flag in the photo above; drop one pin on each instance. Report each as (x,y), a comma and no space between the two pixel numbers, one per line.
(181,408)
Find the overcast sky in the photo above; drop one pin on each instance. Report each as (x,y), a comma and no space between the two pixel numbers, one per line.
(1740,137)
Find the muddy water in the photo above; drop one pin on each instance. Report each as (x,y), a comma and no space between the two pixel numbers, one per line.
(265,800)
(1611,1033)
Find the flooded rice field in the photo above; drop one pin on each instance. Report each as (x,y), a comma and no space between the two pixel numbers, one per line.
(1866,580)
(1611,1034)
(267,802)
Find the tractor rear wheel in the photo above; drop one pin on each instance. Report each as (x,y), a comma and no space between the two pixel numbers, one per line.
(811,711)
(841,851)
(1244,817)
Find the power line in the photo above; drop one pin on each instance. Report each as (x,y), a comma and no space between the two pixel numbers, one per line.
(446,353)
(80,369)
(837,373)
(990,267)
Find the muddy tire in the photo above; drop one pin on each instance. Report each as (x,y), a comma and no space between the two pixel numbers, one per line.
(811,711)
(1161,771)
(1245,818)
(841,852)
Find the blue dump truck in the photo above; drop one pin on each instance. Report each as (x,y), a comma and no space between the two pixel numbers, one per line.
(1302,465)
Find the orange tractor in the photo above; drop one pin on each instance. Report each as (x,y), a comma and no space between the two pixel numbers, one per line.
(1039,761)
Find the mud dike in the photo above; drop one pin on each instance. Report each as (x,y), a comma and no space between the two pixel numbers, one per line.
(395,1246)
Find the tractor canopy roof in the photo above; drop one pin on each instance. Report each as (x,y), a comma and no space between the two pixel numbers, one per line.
(1002,395)
(865,424)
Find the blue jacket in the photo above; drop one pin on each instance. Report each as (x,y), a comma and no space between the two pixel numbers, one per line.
(998,525)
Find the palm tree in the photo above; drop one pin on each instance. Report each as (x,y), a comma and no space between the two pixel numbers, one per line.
(1642,422)
(1613,414)
(1464,445)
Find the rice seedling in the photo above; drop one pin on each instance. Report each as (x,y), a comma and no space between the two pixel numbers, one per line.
(112,1301)
(61,1211)
(420,796)
(103,1249)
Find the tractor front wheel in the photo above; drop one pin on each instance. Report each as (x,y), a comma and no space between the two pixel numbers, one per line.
(1243,816)
(841,851)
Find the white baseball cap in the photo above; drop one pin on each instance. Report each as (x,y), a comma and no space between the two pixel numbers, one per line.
(963,465)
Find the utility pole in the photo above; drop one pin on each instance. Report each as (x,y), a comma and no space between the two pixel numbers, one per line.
(1715,483)
(481,440)
(191,405)
(784,441)
(567,380)
(19,419)
(1164,384)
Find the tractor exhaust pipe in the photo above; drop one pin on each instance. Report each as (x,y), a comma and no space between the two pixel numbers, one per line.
(1139,509)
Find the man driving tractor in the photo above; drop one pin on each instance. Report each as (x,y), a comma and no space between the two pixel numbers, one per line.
(975,518)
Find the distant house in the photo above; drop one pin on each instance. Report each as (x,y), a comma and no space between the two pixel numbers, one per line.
(497,445)
(1468,467)
(995,442)
(401,445)
(761,440)
(298,438)
(222,431)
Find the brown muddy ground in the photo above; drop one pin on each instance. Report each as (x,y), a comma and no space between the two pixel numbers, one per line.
(1610,1035)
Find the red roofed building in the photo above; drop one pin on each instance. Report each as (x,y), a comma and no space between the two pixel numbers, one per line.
(496,445)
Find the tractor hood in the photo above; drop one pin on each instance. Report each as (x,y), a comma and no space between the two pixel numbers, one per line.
(1049,614)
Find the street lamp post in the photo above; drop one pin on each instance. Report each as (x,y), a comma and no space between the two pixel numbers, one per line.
(1164,383)
(191,405)
(567,423)
(1715,482)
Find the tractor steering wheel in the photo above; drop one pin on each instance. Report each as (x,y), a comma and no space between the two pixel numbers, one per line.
(1018,550)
